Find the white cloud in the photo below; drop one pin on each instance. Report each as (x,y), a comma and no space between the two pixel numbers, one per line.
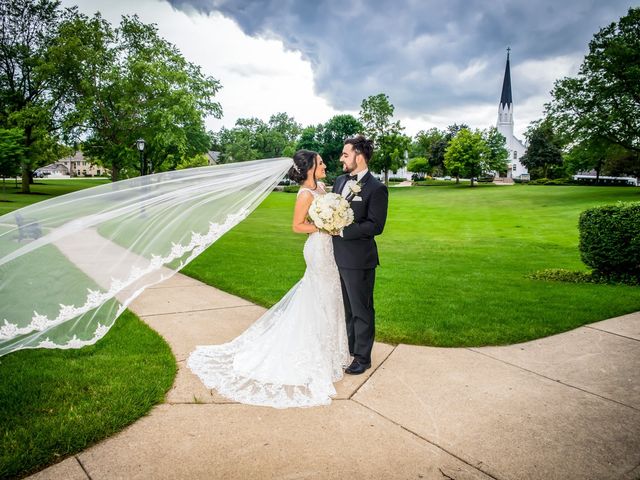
(440,62)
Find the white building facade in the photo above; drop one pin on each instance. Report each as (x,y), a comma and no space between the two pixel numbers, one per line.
(504,125)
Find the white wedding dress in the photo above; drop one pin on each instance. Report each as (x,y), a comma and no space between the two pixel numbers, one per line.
(290,356)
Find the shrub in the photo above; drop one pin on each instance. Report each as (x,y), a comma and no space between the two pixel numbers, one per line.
(291,189)
(610,240)
(553,181)
(397,179)
(561,275)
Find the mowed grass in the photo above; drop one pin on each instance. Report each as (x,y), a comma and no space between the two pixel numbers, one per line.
(13,198)
(454,262)
(54,403)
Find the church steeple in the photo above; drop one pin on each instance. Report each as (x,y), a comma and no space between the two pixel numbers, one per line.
(505,98)
(505,107)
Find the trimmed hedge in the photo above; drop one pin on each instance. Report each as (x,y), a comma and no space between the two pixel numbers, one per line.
(610,240)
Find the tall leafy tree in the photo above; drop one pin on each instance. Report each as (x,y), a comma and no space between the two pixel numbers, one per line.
(281,136)
(376,115)
(12,152)
(310,138)
(390,154)
(419,165)
(603,100)
(332,137)
(544,150)
(467,154)
(252,138)
(123,83)
(431,144)
(27,30)
(497,154)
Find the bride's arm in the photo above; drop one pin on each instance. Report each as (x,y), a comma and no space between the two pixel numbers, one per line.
(300,224)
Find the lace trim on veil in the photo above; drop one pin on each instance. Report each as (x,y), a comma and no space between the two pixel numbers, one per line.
(94,299)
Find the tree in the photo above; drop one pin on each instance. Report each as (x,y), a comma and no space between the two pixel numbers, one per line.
(591,154)
(332,136)
(125,83)
(12,150)
(418,165)
(497,155)
(376,113)
(27,29)
(622,162)
(199,160)
(603,100)
(390,154)
(467,154)
(280,137)
(544,148)
(252,138)
(431,144)
(309,138)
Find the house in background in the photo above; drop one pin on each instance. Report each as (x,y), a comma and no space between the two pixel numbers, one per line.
(74,166)
(52,170)
(213,157)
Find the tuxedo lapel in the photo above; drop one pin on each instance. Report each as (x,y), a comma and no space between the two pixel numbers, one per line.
(365,179)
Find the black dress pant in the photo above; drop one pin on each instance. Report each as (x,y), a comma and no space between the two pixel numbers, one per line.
(357,294)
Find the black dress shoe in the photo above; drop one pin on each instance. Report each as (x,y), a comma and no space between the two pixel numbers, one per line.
(357,368)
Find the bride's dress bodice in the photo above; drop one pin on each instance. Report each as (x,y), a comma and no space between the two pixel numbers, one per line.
(290,356)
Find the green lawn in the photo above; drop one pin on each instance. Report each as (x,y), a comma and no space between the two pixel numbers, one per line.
(454,265)
(54,403)
(454,261)
(13,199)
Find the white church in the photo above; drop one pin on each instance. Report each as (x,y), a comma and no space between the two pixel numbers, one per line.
(515,147)
(504,125)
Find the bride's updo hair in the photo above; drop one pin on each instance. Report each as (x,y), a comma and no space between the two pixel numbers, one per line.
(303,161)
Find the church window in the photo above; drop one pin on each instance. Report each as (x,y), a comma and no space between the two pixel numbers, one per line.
(515,155)
(515,167)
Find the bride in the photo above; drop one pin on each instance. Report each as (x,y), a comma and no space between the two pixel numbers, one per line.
(292,355)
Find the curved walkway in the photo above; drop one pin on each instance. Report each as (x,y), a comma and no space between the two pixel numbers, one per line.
(562,407)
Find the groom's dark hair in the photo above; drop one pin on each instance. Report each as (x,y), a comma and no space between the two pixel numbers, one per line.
(361,145)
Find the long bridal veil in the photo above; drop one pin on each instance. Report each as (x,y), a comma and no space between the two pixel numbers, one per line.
(69,266)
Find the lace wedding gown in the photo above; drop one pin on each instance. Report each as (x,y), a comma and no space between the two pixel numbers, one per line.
(290,356)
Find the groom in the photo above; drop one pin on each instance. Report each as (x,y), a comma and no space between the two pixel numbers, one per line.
(355,249)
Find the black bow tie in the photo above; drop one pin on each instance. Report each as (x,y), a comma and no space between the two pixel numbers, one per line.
(352,177)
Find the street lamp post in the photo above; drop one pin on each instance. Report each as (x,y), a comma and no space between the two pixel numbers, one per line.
(143,163)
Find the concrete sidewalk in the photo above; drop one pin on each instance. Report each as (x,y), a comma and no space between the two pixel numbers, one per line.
(563,407)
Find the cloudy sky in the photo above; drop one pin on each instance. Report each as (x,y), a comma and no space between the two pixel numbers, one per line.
(440,61)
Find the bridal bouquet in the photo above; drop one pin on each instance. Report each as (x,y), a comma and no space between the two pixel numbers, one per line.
(330,212)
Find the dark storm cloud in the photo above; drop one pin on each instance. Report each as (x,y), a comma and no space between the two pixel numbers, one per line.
(426,55)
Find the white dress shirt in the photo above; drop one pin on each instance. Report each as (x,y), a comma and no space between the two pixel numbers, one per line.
(345,190)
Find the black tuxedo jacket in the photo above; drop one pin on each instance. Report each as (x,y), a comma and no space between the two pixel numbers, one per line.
(357,249)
